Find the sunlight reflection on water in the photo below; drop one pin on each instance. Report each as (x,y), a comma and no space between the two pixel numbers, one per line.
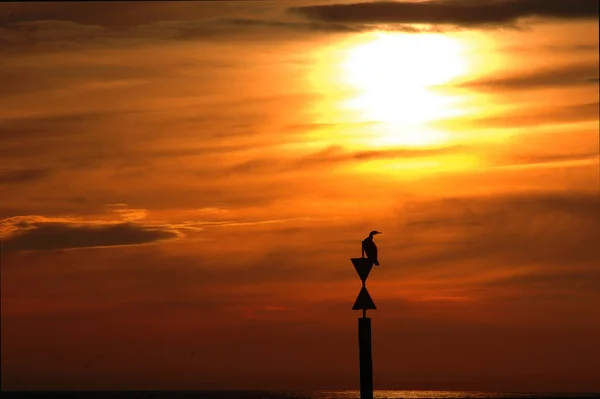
(380,394)
(392,394)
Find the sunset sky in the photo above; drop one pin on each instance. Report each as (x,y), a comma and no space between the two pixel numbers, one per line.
(183,184)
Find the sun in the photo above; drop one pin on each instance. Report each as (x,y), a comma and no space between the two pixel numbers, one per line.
(393,75)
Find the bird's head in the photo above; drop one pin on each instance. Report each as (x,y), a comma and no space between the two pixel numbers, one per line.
(371,234)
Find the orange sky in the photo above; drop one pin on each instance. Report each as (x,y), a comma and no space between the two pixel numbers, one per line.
(183,184)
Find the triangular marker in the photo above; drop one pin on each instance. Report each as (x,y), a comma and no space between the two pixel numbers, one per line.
(363,267)
(364,301)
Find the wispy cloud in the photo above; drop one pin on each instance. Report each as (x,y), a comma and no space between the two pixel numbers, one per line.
(570,75)
(129,14)
(22,176)
(336,155)
(537,159)
(527,117)
(552,229)
(61,35)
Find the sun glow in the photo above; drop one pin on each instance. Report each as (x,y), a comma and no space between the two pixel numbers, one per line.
(394,77)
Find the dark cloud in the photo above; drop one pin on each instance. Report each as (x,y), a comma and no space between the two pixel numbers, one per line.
(22,176)
(454,12)
(38,234)
(568,75)
(125,24)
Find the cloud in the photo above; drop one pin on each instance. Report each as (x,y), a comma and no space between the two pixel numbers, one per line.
(61,35)
(337,155)
(535,159)
(300,25)
(37,233)
(569,75)
(553,229)
(525,117)
(552,282)
(22,176)
(73,25)
(176,20)
(454,12)
(323,26)
(117,15)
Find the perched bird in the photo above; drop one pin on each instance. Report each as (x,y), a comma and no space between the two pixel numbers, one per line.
(370,249)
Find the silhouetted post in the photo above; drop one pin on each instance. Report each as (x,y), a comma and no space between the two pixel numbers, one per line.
(366,361)
(364,302)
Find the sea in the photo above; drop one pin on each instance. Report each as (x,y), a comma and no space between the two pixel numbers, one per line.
(349,394)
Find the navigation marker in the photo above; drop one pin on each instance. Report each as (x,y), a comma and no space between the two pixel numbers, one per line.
(363,267)
(364,301)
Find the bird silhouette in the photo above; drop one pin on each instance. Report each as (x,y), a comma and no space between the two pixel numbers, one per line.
(369,248)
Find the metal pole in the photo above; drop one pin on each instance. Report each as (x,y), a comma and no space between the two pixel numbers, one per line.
(366,361)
